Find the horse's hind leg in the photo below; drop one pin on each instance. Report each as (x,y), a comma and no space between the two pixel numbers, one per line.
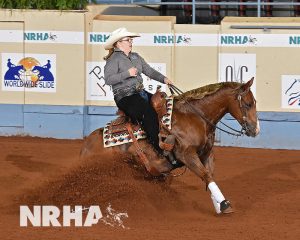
(93,144)
(192,161)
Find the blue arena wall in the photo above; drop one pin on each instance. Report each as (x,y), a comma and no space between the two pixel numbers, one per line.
(279,130)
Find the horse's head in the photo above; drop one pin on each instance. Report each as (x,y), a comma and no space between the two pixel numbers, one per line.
(243,109)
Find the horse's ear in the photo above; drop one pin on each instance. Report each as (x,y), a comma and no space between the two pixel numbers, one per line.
(246,86)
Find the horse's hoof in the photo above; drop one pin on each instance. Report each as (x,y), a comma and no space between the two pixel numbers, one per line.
(225,207)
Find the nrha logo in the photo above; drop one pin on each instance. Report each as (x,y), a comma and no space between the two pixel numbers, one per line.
(45,216)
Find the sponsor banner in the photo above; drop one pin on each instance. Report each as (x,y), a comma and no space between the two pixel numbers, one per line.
(259,40)
(198,39)
(156,39)
(97,90)
(290,91)
(59,37)
(237,68)
(161,39)
(29,72)
(183,39)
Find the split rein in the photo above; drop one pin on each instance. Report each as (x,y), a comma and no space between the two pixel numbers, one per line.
(174,89)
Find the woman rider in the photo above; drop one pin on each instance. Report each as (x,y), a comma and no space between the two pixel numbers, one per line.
(123,71)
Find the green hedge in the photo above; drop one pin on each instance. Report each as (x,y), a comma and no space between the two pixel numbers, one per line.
(44,4)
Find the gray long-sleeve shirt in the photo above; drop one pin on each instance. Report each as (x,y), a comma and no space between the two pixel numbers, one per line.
(117,75)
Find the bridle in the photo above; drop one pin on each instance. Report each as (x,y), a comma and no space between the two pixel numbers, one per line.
(243,108)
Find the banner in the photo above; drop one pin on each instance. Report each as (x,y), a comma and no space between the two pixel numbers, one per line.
(99,91)
(290,91)
(29,72)
(235,67)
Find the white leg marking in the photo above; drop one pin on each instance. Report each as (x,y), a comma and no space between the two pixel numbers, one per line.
(215,192)
(257,130)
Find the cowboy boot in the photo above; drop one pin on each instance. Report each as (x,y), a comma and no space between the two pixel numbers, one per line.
(167,145)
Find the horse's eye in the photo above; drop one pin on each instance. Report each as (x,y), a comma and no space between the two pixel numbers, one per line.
(248,105)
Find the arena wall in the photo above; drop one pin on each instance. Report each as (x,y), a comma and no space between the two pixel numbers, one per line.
(71,99)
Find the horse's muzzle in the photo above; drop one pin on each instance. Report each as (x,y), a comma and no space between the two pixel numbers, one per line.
(252,129)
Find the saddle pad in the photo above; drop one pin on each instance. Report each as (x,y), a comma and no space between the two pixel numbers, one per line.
(167,118)
(115,139)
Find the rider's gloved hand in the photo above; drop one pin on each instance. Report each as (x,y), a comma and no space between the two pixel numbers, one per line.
(168,81)
(133,72)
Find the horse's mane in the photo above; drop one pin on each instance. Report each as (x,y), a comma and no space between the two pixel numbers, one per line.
(204,91)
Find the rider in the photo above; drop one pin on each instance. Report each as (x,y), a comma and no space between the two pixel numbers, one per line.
(123,71)
(9,64)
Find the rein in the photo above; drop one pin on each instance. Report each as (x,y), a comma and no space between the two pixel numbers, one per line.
(174,89)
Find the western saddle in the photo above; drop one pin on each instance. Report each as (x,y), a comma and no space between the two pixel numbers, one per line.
(166,141)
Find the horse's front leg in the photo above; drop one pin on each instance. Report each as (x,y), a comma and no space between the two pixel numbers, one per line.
(208,162)
(190,158)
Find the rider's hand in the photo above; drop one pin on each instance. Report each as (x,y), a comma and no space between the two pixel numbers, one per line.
(133,72)
(168,81)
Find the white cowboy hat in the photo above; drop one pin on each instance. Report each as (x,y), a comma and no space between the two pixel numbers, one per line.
(117,35)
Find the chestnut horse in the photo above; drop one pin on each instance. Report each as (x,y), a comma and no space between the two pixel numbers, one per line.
(194,119)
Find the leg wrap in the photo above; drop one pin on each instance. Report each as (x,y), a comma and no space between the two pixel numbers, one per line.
(216,204)
(215,192)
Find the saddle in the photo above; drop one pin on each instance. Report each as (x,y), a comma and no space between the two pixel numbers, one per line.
(123,125)
(118,126)
(158,102)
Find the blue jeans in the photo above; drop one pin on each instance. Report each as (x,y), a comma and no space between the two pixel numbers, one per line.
(144,95)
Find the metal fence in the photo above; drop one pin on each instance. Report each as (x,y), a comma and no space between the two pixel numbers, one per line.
(258,5)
